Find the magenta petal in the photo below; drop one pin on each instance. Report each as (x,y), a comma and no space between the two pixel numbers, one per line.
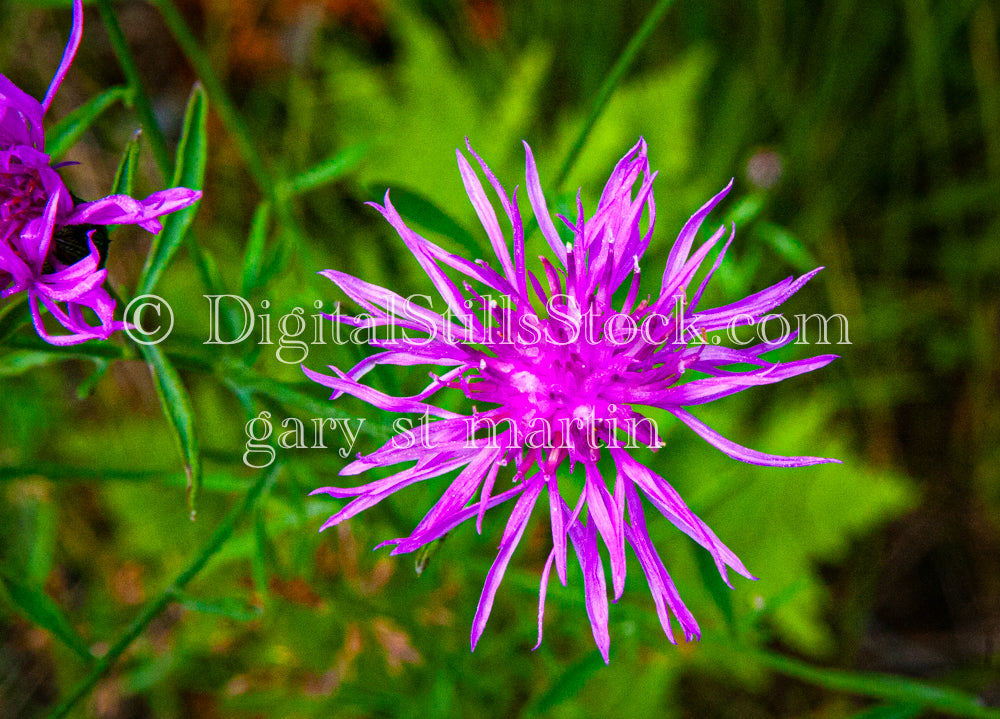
(543,586)
(69,53)
(750,456)
(487,215)
(595,588)
(601,512)
(20,117)
(511,536)
(125,210)
(540,208)
(665,595)
(681,249)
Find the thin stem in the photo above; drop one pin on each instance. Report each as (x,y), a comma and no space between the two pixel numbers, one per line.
(142,104)
(155,607)
(221,101)
(614,77)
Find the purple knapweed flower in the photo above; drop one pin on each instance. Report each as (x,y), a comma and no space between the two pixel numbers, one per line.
(51,246)
(564,372)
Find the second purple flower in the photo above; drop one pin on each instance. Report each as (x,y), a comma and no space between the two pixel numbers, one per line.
(52,247)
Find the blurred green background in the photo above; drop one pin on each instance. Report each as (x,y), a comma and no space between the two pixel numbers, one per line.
(863,137)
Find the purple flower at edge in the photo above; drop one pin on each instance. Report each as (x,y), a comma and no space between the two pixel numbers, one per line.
(581,368)
(39,218)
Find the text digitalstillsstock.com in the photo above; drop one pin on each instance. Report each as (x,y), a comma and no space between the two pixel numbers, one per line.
(150,320)
(232,320)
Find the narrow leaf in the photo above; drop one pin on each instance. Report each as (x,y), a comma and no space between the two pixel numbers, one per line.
(254,254)
(258,562)
(68,130)
(192,153)
(324,173)
(37,606)
(125,174)
(177,408)
(615,76)
(745,209)
(786,246)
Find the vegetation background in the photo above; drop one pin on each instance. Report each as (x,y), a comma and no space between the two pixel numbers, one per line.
(864,137)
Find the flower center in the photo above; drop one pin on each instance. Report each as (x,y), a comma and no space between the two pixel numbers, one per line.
(22,193)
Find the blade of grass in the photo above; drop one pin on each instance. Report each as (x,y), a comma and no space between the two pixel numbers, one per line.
(229,607)
(192,155)
(322,174)
(614,77)
(177,408)
(215,482)
(254,256)
(23,361)
(124,182)
(87,386)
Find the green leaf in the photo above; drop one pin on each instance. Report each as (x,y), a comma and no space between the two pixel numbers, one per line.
(125,174)
(787,246)
(415,207)
(68,130)
(177,408)
(324,173)
(192,153)
(37,606)
(254,254)
(745,209)
(259,560)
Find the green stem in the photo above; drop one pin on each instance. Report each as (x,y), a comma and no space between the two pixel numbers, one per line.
(611,82)
(221,102)
(885,687)
(142,104)
(222,482)
(155,607)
